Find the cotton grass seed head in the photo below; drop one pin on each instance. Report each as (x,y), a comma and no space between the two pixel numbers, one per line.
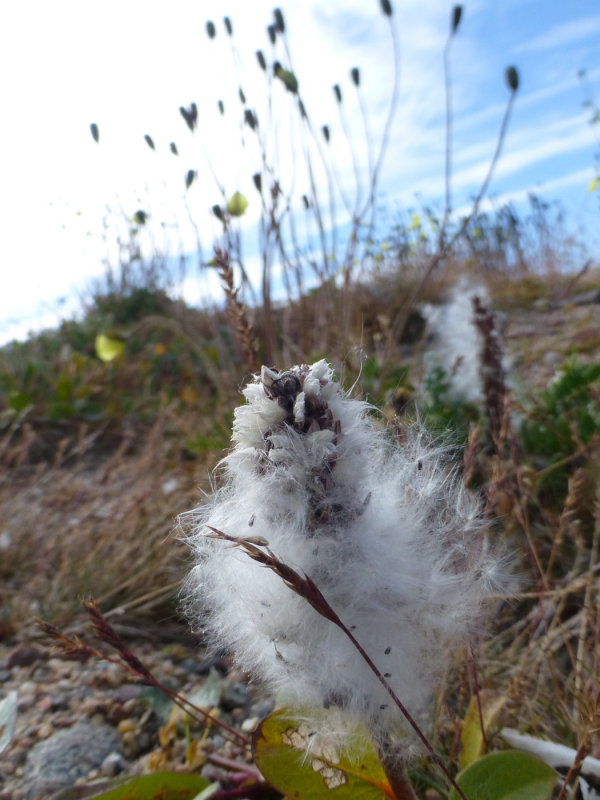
(390,537)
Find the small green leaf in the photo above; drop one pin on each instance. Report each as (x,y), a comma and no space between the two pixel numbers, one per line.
(471,736)
(237,205)
(107,349)
(510,775)
(280,750)
(158,786)
(289,80)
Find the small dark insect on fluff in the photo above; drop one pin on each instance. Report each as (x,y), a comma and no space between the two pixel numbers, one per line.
(387,651)
(419,465)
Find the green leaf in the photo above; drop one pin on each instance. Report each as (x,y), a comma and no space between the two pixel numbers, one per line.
(471,736)
(237,205)
(289,80)
(280,751)
(107,349)
(158,786)
(510,775)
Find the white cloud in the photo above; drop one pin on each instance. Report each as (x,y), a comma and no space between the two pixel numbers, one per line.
(562,35)
(129,66)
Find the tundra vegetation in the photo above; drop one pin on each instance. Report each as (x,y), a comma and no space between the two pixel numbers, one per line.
(111,423)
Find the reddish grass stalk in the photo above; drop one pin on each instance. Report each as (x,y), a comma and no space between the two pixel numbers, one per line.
(73,649)
(307,588)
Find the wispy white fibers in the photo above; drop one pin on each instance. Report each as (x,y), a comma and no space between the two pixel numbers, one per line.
(456,342)
(389,536)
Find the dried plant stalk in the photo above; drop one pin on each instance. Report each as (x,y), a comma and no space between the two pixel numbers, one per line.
(238,311)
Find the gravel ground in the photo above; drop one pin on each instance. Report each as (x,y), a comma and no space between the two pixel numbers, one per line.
(77,723)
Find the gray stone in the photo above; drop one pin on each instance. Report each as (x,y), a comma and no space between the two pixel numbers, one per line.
(235,695)
(69,754)
(586,298)
(113,765)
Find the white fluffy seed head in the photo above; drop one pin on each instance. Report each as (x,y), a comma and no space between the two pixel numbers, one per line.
(390,537)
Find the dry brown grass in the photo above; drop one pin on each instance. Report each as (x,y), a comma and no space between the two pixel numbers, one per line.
(98,522)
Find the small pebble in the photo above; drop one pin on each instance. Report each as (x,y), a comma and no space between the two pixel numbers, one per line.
(126,726)
(23,655)
(249,725)
(45,731)
(234,695)
(112,765)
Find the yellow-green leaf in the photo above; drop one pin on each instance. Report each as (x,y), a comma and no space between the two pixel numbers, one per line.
(415,223)
(280,747)
(593,184)
(237,205)
(510,775)
(158,786)
(107,348)
(471,736)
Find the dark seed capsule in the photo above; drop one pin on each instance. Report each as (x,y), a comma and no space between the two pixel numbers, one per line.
(190,115)
(261,60)
(250,118)
(306,202)
(337,92)
(456,17)
(149,141)
(95,132)
(221,106)
(189,178)
(173,149)
(218,212)
(211,30)
(242,96)
(257,178)
(279,20)
(272,33)
(386,7)
(355,76)
(325,131)
(228,26)
(512,78)
(251,521)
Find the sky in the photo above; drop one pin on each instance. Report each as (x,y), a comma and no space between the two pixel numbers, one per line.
(128,66)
